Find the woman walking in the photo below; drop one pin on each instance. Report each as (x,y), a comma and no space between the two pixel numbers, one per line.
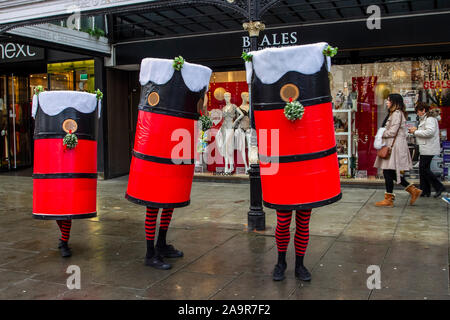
(399,160)
(427,137)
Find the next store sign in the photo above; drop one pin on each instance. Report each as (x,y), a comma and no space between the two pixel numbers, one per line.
(16,52)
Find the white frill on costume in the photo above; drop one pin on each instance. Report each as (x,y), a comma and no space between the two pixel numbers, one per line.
(160,71)
(271,64)
(54,102)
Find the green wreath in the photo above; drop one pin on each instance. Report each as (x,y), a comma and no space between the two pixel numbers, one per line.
(178,63)
(329,51)
(70,141)
(38,89)
(247,57)
(294,110)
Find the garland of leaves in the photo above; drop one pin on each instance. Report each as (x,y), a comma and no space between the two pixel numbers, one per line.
(178,63)
(329,51)
(247,57)
(70,141)
(294,110)
(206,124)
(205,121)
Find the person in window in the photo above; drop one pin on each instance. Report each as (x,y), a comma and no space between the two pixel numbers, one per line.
(427,137)
(400,159)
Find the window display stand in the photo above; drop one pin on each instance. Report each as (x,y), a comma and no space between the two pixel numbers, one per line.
(343,132)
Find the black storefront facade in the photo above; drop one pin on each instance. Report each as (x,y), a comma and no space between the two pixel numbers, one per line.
(400,56)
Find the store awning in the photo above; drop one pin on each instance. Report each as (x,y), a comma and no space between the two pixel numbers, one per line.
(199,17)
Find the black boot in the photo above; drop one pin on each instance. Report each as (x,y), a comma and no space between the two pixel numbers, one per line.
(153,258)
(168,251)
(280,267)
(300,270)
(164,249)
(157,262)
(64,249)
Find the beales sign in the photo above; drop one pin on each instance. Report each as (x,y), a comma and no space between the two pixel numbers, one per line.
(16,52)
(275,39)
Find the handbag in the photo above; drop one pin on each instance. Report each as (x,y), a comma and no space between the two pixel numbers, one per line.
(385,151)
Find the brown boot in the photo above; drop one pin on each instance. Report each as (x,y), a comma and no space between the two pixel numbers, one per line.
(387,202)
(414,192)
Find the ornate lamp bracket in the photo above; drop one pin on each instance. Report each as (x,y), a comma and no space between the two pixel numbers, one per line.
(254,27)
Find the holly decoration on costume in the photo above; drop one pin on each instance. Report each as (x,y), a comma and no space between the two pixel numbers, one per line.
(329,51)
(178,63)
(99,94)
(294,110)
(38,89)
(70,141)
(247,57)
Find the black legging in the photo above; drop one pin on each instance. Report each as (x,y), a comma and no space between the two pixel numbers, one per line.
(389,177)
(427,178)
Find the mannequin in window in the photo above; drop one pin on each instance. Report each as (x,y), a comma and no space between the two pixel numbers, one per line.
(242,133)
(225,136)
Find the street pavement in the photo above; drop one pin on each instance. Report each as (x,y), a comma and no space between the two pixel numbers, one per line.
(222,260)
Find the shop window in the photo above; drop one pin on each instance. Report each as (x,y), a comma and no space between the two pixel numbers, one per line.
(364,88)
(76,75)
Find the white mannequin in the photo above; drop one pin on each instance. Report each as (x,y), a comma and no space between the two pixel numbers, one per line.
(225,136)
(242,133)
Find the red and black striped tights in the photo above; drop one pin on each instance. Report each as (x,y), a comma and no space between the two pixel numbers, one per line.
(282,234)
(64,226)
(150,227)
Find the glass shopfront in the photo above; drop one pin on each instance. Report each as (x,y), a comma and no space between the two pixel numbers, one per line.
(359,97)
(15,122)
(75,75)
(16,92)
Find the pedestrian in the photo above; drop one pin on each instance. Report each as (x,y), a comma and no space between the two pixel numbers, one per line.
(427,137)
(400,159)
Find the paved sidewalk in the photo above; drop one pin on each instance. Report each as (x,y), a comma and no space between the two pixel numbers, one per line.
(222,260)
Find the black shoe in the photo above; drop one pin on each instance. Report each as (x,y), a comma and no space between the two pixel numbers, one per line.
(278,272)
(425,194)
(302,273)
(157,262)
(439,192)
(64,249)
(168,251)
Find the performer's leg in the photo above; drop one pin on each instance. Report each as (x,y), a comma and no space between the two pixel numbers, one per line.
(152,258)
(282,237)
(301,243)
(64,226)
(167,251)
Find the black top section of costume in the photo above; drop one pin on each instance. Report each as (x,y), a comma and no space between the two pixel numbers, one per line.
(51,127)
(175,98)
(313,89)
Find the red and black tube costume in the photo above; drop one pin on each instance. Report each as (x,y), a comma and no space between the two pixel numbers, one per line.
(65,180)
(308,170)
(162,165)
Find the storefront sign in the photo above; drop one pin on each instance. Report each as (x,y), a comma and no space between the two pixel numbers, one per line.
(275,39)
(16,52)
